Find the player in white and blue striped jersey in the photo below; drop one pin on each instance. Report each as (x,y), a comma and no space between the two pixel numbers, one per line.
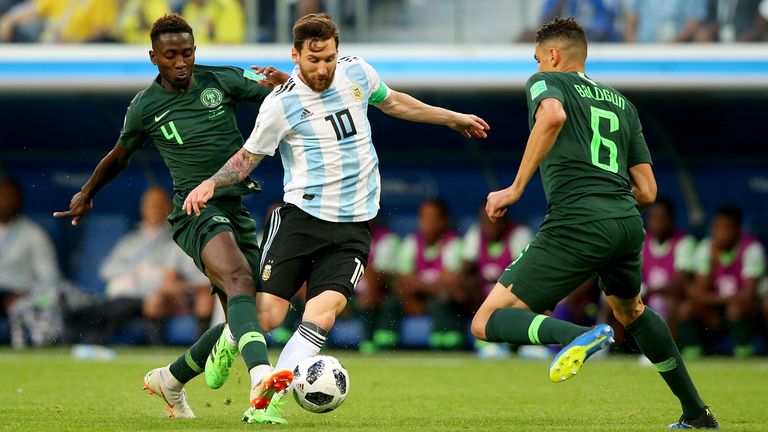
(318,122)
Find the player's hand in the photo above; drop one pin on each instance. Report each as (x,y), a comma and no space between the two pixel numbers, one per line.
(497,203)
(79,206)
(273,76)
(469,125)
(198,197)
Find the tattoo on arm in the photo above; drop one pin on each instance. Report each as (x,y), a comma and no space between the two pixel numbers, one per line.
(237,168)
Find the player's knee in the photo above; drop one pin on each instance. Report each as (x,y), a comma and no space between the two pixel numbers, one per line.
(626,314)
(478,326)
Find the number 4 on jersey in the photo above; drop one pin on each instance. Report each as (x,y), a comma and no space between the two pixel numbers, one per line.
(173,134)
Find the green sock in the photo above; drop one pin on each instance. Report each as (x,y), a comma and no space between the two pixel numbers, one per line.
(522,327)
(741,332)
(655,341)
(390,314)
(368,318)
(688,334)
(191,363)
(244,325)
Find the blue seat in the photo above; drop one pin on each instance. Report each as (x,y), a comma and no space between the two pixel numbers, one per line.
(132,334)
(5,331)
(346,333)
(100,232)
(181,330)
(414,331)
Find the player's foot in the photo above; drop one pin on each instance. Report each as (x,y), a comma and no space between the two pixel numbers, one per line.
(218,365)
(267,398)
(158,382)
(570,359)
(706,421)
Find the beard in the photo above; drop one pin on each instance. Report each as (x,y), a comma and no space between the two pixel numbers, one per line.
(316,84)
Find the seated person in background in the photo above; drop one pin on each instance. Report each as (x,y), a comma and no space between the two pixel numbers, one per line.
(596,16)
(735,21)
(667,262)
(488,248)
(723,296)
(29,273)
(136,18)
(68,21)
(428,278)
(215,21)
(147,275)
(378,309)
(664,21)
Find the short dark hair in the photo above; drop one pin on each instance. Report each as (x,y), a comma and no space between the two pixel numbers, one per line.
(668,205)
(169,23)
(564,29)
(441,205)
(314,28)
(729,211)
(14,185)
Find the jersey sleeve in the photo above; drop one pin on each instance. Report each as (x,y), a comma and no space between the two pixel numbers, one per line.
(386,254)
(684,253)
(243,85)
(538,88)
(701,261)
(269,129)
(406,257)
(132,136)
(753,264)
(379,91)
(472,244)
(519,239)
(638,149)
(452,258)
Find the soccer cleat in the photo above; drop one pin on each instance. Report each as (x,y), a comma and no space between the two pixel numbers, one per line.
(267,399)
(218,365)
(572,357)
(156,382)
(706,421)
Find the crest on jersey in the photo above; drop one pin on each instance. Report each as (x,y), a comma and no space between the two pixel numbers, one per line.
(267,272)
(221,219)
(357,92)
(211,97)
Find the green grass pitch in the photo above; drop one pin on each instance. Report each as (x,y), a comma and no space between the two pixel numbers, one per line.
(49,390)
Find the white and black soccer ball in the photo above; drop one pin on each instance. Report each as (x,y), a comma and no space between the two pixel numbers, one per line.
(320,384)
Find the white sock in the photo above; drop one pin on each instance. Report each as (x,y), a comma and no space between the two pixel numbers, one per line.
(305,342)
(258,372)
(170,381)
(230,338)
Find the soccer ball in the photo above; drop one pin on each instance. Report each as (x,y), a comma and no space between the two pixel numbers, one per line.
(320,384)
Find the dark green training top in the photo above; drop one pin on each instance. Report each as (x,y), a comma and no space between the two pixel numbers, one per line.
(586,174)
(195,131)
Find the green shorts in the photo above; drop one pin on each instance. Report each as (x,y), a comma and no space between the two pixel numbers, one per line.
(561,258)
(222,214)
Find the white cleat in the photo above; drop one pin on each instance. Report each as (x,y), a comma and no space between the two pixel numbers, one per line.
(157,382)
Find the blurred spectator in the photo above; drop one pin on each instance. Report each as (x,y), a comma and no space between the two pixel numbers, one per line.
(147,275)
(215,21)
(648,21)
(667,262)
(596,16)
(63,20)
(377,307)
(136,18)
(723,297)
(428,281)
(29,272)
(735,21)
(489,247)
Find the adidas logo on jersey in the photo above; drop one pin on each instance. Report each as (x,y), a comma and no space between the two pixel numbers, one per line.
(305,114)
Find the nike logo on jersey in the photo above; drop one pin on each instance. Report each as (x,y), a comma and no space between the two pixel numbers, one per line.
(160,117)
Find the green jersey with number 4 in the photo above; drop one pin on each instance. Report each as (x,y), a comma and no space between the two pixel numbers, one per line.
(586,174)
(195,131)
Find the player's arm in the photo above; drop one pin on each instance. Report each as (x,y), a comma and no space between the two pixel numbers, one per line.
(550,118)
(643,184)
(407,107)
(235,170)
(110,167)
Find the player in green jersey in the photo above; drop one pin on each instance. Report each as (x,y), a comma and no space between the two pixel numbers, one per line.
(189,113)
(596,170)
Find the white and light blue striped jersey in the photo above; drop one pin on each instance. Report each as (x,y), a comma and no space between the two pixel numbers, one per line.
(331,167)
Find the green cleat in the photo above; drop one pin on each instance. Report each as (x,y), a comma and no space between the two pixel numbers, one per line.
(219,363)
(262,416)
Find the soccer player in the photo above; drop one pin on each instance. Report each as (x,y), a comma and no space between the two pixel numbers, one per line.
(189,112)
(318,120)
(596,170)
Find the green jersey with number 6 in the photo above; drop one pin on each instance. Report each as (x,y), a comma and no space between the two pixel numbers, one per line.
(586,174)
(195,131)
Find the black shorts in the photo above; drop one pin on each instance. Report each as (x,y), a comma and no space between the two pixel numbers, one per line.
(298,248)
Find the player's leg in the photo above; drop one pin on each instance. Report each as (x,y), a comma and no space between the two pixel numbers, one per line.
(620,280)
(530,285)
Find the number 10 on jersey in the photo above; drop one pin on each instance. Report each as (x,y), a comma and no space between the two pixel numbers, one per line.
(343,128)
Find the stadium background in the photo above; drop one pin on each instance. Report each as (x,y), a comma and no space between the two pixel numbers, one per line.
(702,108)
